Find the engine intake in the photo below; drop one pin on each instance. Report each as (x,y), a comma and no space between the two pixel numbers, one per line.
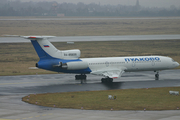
(37,65)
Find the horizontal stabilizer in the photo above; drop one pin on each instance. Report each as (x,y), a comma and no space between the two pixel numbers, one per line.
(37,37)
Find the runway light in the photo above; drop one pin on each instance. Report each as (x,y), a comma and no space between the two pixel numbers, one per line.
(177,108)
(82,108)
(144,109)
(111,109)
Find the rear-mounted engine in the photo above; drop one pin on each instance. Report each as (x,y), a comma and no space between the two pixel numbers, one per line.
(75,65)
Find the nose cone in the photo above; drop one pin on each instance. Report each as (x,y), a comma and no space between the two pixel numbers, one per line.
(177,64)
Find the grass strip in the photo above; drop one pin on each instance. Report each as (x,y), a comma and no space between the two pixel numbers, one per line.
(89,27)
(126,99)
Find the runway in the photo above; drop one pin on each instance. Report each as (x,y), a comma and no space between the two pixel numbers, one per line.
(13,88)
(95,38)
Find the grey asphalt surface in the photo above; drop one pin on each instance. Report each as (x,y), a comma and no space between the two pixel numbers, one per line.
(95,38)
(13,88)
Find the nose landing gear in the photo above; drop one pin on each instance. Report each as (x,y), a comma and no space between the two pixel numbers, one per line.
(157,75)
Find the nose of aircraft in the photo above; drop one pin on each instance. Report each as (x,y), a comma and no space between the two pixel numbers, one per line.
(177,64)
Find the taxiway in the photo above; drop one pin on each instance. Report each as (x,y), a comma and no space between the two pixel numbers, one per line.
(14,39)
(13,88)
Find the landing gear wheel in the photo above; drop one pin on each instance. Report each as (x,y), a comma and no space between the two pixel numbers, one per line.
(110,80)
(157,76)
(84,77)
(76,77)
(81,77)
(103,80)
(106,80)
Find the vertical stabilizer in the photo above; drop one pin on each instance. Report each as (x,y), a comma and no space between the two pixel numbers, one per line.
(46,50)
(41,53)
(43,47)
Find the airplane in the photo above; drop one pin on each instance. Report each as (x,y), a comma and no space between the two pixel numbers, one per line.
(69,61)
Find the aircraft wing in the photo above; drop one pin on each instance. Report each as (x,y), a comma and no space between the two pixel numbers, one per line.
(112,73)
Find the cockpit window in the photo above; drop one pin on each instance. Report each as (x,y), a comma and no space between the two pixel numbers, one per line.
(173,60)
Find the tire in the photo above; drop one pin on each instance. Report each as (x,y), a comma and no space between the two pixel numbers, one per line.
(110,80)
(102,80)
(156,76)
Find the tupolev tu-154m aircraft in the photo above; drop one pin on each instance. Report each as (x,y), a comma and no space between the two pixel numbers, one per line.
(69,61)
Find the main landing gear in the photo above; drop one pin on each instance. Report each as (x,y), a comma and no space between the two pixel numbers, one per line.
(156,75)
(106,80)
(81,77)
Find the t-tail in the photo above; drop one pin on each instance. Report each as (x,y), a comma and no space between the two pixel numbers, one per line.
(52,59)
(46,50)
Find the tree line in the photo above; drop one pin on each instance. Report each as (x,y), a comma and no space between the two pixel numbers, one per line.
(18,8)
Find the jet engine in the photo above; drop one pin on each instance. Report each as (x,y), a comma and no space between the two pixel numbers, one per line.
(79,65)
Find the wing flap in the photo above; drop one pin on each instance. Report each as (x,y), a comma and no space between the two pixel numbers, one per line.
(109,73)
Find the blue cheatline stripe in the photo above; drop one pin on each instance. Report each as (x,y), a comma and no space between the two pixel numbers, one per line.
(46,61)
(41,53)
(47,64)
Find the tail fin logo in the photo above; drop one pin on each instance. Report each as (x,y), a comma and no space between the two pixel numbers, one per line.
(46,45)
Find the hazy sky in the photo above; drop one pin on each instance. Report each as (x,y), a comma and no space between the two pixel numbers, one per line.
(146,3)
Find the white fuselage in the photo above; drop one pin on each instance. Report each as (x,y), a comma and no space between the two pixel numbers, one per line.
(130,64)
